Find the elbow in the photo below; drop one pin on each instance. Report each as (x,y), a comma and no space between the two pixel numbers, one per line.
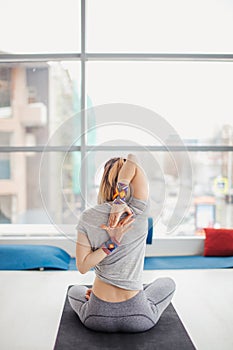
(132,158)
(81,269)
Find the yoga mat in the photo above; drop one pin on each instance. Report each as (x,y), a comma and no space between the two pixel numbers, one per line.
(168,334)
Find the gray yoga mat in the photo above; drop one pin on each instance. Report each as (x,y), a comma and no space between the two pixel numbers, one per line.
(168,334)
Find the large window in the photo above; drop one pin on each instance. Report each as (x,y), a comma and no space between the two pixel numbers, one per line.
(104,78)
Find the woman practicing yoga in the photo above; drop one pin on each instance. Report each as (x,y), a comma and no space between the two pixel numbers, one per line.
(112,239)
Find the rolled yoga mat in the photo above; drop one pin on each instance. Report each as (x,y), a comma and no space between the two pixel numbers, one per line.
(168,334)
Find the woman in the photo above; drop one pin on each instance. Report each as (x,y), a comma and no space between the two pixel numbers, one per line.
(112,239)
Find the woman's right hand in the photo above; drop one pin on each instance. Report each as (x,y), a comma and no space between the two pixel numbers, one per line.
(120,229)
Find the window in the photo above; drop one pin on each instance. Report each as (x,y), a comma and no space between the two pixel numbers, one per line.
(105,78)
(40,188)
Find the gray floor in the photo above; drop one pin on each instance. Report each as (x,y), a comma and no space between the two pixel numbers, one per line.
(31,305)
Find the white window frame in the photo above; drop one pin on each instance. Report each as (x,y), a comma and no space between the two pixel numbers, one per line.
(47,234)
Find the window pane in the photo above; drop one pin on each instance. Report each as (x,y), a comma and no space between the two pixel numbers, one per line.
(36,98)
(5,92)
(210,170)
(5,171)
(194,97)
(40,26)
(38,188)
(163,187)
(160,26)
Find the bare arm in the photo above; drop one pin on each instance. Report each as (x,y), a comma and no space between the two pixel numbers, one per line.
(86,258)
(133,176)
(132,173)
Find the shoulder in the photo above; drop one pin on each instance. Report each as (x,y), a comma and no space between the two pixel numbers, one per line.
(93,217)
(97,210)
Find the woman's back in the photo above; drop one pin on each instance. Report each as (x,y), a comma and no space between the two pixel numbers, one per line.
(123,267)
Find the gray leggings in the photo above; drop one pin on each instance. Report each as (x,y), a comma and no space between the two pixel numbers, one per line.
(137,314)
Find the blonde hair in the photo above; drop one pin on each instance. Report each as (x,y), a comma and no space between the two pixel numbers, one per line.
(108,182)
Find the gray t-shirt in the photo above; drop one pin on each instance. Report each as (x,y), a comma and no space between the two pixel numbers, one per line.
(123,267)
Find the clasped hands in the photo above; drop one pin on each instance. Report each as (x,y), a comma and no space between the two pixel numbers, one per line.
(118,227)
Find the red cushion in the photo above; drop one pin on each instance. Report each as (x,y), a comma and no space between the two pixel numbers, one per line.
(218,242)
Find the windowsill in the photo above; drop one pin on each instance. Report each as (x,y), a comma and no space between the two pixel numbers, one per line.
(49,234)
(35,230)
